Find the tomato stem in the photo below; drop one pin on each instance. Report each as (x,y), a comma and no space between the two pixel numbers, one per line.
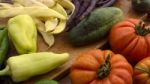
(104,69)
(141,29)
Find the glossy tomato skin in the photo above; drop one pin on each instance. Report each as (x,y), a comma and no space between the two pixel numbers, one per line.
(142,72)
(84,69)
(125,40)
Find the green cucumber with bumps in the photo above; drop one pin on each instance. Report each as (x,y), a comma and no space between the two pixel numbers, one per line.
(95,26)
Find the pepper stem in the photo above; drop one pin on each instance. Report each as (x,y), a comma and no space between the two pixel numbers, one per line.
(104,69)
(5,71)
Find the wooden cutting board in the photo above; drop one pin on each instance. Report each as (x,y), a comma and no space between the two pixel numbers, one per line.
(62,45)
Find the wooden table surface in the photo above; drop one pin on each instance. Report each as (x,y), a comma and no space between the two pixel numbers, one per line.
(65,80)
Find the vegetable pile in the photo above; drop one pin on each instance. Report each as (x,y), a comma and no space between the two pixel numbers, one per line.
(129,38)
(50,16)
(25,18)
(86,22)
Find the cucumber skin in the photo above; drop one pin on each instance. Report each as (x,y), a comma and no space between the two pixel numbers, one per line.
(96,26)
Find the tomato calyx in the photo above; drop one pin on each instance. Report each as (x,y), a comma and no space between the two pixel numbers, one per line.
(141,29)
(104,69)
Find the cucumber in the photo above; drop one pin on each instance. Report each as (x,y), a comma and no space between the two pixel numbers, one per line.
(96,26)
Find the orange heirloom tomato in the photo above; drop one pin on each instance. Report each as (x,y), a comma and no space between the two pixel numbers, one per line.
(130,38)
(142,72)
(101,67)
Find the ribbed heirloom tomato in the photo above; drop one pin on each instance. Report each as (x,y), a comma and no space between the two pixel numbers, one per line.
(142,72)
(131,38)
(101,67)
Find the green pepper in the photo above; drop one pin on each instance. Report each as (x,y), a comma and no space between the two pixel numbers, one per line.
(4,44)
(23,67)
(46,82)
(23,33)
